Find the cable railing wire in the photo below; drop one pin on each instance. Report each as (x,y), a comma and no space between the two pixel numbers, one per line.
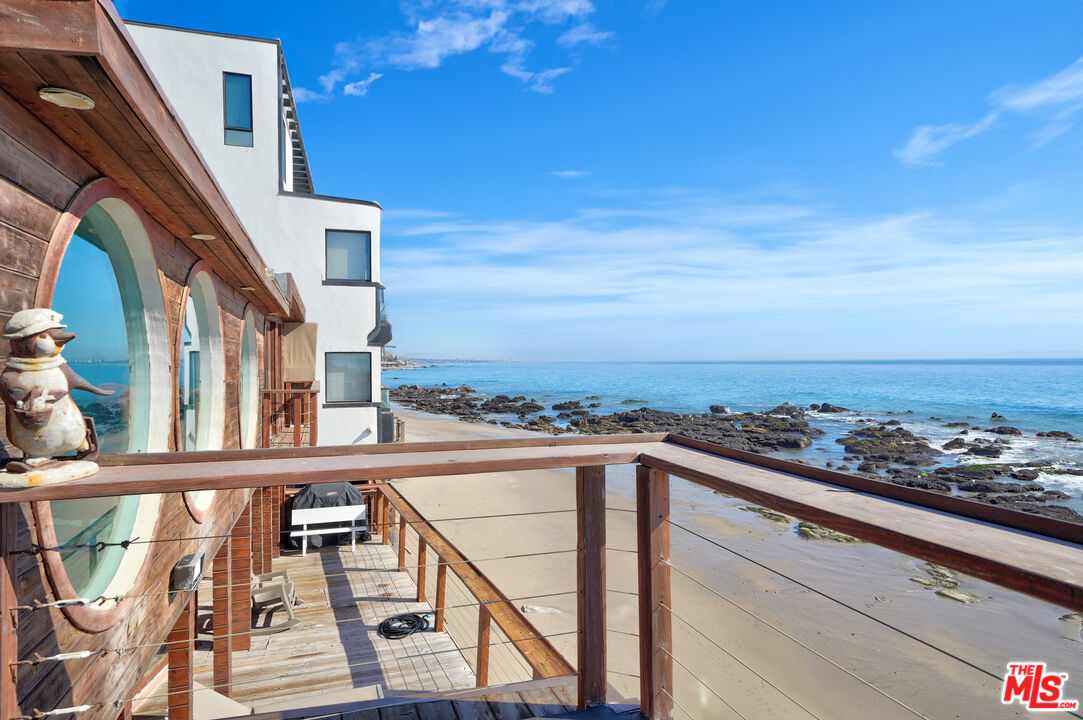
(705,685)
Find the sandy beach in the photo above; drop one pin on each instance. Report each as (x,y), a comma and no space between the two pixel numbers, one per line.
(776,624)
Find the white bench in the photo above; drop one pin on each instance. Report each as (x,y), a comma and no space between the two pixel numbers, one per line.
(356,515)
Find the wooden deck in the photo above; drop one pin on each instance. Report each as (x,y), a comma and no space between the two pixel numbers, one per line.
(335,654)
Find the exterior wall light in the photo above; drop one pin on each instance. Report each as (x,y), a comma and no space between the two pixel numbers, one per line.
(246,288)
(202,236)
(66,98)
(187,573)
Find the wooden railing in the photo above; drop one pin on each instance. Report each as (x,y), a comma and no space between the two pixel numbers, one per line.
(1038,556)
(290,417)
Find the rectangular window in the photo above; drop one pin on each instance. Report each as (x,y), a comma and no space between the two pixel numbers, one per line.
(349,377)
(237,94)
(348,255)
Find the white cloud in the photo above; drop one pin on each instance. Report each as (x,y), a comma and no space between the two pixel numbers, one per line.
(928,141)
(441,29)
(583,34)
(570,173)
(1058,97)
(361,87)
(302,95)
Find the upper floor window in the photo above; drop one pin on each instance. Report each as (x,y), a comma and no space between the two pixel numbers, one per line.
(237,94)
(348,377)
(348,257)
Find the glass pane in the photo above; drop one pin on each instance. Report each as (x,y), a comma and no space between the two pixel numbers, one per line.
(238,101)
(347,255)
(241,138)
(349,377)
(189,376)
(89,295)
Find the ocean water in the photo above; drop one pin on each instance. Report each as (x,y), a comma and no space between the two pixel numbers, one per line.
(1033,395)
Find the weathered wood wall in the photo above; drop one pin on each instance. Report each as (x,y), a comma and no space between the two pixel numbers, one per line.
(39,177)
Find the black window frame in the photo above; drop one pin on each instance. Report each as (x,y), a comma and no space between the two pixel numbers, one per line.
(226,127)
(328,402)
(328,280)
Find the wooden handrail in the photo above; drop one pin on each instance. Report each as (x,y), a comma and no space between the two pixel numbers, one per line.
(542,657)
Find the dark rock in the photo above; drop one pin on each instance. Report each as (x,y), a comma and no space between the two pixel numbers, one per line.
(1005,430)
(1025,474)
(892,423)
(957,424)
(1058,435)
(718,409)
(569,405)
(992,451)
(997,417)
(829,408)
(956,444)
(889,444)
(843,468)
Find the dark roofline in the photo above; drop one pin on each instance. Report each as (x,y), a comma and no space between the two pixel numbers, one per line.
(273,41)
(332,198)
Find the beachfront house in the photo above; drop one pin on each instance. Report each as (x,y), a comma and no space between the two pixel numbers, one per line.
(233,95)
(154,190)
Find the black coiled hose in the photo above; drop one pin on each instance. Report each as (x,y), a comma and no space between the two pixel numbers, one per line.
(398,627)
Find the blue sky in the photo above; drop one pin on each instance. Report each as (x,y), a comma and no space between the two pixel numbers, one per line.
(641,179)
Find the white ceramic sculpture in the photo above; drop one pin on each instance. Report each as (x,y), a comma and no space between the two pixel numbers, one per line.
(42,419)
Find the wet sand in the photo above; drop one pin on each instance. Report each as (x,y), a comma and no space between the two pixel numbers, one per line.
(775,625)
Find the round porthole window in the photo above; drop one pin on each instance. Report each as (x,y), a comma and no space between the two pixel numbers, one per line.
(201,370)
(249,400)
(108,290)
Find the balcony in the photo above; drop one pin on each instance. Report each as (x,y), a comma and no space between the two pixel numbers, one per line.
(291,416)
(634,618)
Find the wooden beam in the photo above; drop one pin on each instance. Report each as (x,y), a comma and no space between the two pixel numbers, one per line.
(655,620)
(241,580)
(422,568)
(590,572)
(9,640)
(481,671)
(402,544)
(441,594)
(1047,569)
(222,619)
(180,648)
(230,471)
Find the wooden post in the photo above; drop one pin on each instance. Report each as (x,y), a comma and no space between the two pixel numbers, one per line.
(422,568)
(9,639)
(385,519)
(481,672)
(278,509)
(267,527)
(266,424)
(655,621)
(222,593)
(402,544)
(180,646)
(441,593)
(313,418)
(257,528)
(296,400)
(590,567)
(241,580)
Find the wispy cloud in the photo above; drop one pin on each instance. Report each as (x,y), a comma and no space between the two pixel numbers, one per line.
(691,270)
(1057,98)
(441,29)
(569,173)
(585,34)
(361,87)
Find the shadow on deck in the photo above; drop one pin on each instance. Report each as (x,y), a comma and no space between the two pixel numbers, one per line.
(335,654)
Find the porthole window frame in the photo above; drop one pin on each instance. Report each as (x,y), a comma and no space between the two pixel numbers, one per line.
(212,407)
(249,436)
(137,230)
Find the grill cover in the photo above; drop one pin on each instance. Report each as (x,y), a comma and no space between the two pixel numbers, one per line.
(325,495)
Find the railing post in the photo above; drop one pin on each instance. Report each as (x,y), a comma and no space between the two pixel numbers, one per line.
(313,417)
(180,646)
(296,400)
(441,592)
(266,424)
(385,519)
(9,640)
(402,543)
(481,672)
(241,580)
(590,568)
(222,593)
(422,568)
(267,527)
(256,533)
(655,620)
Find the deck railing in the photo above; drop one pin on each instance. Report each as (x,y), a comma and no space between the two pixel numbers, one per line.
(1038,556)
(290,416)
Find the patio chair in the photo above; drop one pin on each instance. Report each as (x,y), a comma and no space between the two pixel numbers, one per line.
(269,591)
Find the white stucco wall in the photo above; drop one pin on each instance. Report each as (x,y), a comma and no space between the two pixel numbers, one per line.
(287,229)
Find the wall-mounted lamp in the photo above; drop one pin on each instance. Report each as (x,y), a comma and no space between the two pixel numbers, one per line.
(202,236)
(246,288)
(66,98)
(187,573)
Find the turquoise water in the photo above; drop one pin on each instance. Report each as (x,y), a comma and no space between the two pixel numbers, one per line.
(1034,395)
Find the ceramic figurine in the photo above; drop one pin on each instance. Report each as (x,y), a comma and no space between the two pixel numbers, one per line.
(42,419)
